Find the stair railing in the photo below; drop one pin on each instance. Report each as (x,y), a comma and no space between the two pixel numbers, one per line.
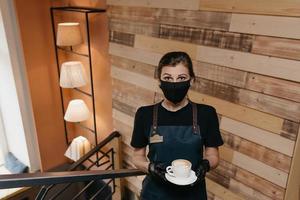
(49,180)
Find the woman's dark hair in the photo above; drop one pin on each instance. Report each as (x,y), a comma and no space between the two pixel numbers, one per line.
(174,58)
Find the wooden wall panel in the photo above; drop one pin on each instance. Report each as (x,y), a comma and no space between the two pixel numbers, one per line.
(174,4)
(138,67)
(270,66)
(221,191)
(121,38)
(258,184)
(133,27)
(240,113)
(248,98)
(278,47)
(134,54)
(259,136)
(246,192)
(286,27)
(128,120)
(220,74)
(290,129)
(215,38)
(247,66)
(258,168)
(140,96)
(190,18)
(163,45)
(274,87)
(270,104)
(249,183)
(202,36)
(126,130)
(239,60)
(134,78)
(266,155)
(275,7)
(215,89)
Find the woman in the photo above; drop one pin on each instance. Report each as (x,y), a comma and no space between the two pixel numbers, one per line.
(175,128)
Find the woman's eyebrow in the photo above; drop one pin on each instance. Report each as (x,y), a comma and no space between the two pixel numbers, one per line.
(182,75)
(166,74)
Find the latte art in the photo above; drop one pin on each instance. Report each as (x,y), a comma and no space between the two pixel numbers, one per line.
(181,163)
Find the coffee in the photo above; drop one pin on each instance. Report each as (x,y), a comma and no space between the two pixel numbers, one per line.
(180,168)
(181,162)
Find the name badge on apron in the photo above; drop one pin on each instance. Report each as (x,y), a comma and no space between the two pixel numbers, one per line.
(156,138)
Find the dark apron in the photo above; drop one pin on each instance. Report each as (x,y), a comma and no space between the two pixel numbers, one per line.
(179,142)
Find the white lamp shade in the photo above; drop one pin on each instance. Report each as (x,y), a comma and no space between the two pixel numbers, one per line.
(68,34)
(77,111)
(78,147)
(72,74)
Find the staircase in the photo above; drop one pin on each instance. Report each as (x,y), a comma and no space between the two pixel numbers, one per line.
(87,178)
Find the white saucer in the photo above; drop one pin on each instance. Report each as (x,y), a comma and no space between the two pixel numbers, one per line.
(182,181)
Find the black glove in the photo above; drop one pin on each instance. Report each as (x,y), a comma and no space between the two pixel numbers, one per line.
(201,171)
(157,170)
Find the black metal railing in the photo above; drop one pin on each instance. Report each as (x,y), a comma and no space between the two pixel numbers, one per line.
(66,179)
(45,178)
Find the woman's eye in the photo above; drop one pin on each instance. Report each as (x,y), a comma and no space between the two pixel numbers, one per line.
(167,78)
(181,78)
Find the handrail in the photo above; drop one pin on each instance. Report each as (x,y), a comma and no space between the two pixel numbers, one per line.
(50,179)
(47,178)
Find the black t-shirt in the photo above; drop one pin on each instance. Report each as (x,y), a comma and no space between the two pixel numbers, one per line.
(207,120)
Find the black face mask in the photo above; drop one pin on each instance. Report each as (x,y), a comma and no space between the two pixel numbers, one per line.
(175,91)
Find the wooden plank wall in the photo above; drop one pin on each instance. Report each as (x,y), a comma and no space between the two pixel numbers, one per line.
(246,57)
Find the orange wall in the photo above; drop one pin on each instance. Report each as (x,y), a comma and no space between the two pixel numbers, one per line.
(100,60)
(36,34)
(34,22)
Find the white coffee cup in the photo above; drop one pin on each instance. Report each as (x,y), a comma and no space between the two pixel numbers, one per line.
(180,168)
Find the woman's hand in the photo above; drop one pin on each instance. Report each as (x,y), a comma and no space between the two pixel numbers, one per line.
(212,155)
(157,170)
(210,161)
(201,171)
(140,160)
